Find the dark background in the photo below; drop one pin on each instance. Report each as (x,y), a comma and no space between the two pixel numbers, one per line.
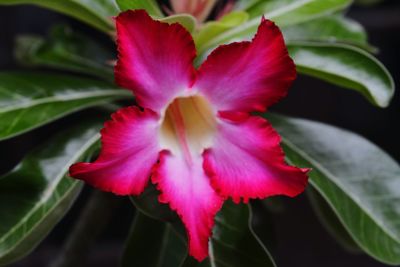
(302,241)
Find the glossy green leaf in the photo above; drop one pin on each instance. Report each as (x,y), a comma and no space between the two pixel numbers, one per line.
(245,4)
(334,28)
(186,20)
(214,28)
(359,181)
(234,242)
(262,223)
(30,100)
(97,13)
(330,221)
(148,204)
(304,8)
(153,243)
(232,233)
(346,66)
(151,6)
(37,193)
(66,50)
(282,12)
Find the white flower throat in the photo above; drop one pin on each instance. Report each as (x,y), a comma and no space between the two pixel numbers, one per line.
(188,126)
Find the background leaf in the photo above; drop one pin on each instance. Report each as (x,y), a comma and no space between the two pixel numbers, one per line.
(333,28)
(212,29)
(283,13)
(186,20)
(96,13)
(234,242)
(359,181)
(153,243)
(295,11)
(346,66)
(30,100)
(331,222)
(37,193)
(151,6)
(66,50)
(245,4)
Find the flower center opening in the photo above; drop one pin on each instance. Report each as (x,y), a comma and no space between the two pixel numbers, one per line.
(187,127)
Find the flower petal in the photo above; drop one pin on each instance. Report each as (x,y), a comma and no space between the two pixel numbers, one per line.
(246,161)
(248,76)
(129,151)
(187,189)
(154,58)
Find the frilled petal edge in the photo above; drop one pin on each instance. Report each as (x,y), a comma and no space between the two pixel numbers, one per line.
(155,59)
(129,151)
(246,161)
(248,76)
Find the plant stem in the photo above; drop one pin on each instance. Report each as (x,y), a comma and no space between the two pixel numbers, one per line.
(92,221)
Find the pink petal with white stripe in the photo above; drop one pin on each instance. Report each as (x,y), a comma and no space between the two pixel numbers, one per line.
(187,189)
(129,151)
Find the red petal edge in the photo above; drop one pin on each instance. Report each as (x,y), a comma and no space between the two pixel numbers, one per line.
(247,162)
(129,150)
(248,76)
(153,55)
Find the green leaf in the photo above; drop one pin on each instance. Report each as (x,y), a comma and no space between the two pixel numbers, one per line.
(359,181)
(346,66)
(65,50)
(153,243)
(245,4)
(29,100)
(186,20)
(214,28)
(151,6)
(97,13)
(331,222)
(37,193)
(284,13)
(262,223)
(304,9)
(234,242)
(334,28)
(232,233)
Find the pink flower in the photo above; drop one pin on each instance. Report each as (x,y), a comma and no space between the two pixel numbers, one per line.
(194,135)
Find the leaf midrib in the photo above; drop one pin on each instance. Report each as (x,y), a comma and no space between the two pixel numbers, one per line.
(65,98)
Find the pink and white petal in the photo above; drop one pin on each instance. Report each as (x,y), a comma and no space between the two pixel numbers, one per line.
(129,151)
(154,58)
(248,76)
(187,189)
(246,161)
